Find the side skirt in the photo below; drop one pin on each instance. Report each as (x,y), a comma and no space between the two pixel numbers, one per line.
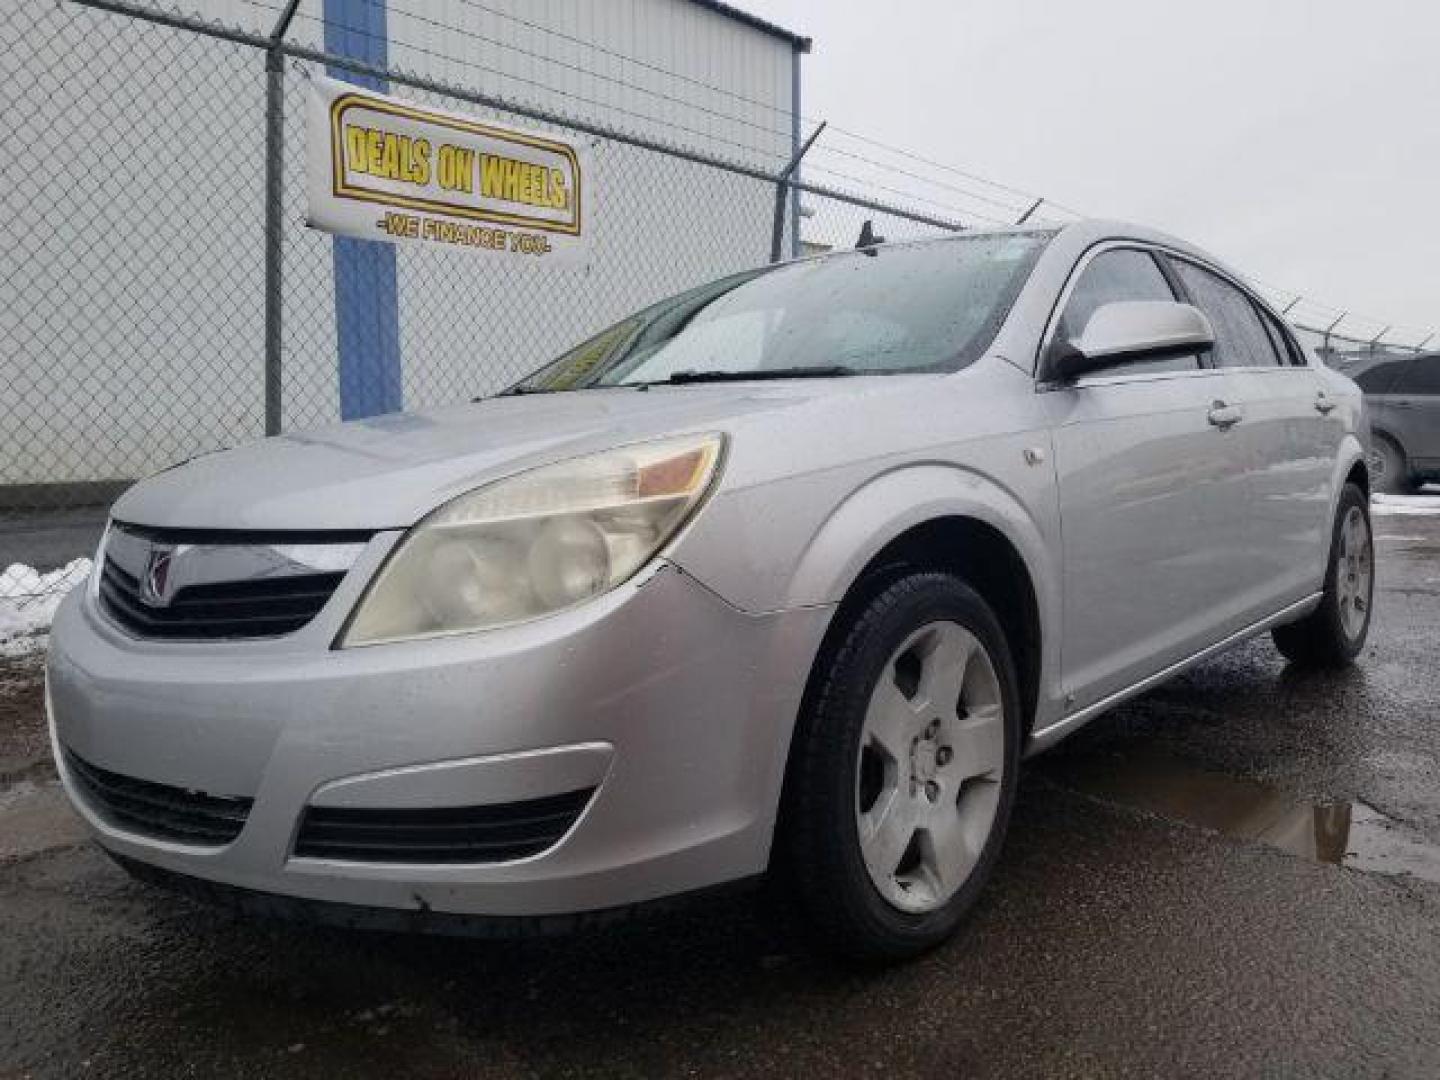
(1048,736)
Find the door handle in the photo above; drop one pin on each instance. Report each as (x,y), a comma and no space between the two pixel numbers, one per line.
(1224,416)
(1323,405)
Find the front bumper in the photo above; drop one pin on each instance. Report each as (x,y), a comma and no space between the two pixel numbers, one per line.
(675,706)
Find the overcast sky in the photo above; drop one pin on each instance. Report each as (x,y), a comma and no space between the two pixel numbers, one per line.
(1297,139)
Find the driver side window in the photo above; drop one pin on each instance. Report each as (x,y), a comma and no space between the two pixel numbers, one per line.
(1120,274)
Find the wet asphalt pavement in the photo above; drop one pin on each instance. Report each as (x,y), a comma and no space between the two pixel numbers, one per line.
(1171,902)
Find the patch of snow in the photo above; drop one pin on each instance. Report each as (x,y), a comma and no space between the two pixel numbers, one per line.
(28,599)
(1405,505)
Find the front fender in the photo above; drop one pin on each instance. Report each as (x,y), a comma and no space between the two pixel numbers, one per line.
(894,502)
(891,504)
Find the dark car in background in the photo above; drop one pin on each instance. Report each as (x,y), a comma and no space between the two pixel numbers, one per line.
(1402,396)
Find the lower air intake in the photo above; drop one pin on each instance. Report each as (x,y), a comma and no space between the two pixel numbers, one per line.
(458,834)
(158,810)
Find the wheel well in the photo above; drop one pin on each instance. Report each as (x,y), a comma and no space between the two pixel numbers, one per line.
(988,562)
(1379,435)
(1359,475)
(980,555)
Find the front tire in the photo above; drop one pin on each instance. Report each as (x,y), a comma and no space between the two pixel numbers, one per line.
(903,769)
(1333,634)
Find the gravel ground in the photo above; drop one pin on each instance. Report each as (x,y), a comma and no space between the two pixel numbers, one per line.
(1146,919)
(24,746)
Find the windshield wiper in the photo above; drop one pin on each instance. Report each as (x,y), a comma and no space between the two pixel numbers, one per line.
(681,378)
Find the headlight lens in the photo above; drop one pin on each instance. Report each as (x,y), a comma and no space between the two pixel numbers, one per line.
(536,543)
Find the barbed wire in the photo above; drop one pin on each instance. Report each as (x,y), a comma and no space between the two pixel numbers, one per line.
(1316,315)
(1011,209)
(1016,201)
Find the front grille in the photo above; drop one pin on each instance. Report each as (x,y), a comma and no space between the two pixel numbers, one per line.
(261,607)
(159,810)
(458,834)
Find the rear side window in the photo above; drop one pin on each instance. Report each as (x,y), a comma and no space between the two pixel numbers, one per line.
(1241,339)
(1422,376)
(1284,347)
(1120,274)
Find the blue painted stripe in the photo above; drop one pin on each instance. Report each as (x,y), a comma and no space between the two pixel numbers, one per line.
(367,304)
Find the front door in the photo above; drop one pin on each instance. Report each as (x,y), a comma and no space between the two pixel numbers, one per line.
(1152,498)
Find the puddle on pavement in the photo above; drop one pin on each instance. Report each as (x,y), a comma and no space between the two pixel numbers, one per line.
(1350,834)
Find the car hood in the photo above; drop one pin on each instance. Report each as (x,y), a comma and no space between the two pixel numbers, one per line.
(389,471)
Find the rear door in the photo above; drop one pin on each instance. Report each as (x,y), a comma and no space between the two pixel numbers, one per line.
(1288,442)
(1152,496)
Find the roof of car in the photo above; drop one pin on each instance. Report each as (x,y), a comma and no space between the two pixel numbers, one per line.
(1095,230)
(1081,234)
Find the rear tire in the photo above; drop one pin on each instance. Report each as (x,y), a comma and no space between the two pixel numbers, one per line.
(1389,471)
(1333,634)
(903,769)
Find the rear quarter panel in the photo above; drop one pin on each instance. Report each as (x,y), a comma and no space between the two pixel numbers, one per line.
(1350,433)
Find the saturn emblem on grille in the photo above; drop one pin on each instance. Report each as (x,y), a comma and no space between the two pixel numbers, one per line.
(155,582)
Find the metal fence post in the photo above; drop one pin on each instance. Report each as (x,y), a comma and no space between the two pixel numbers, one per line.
(1331,329)
(274,224)
(782,188)
(1033,207)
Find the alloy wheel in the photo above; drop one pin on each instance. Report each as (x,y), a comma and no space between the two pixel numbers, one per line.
(932,753)
(1354,572)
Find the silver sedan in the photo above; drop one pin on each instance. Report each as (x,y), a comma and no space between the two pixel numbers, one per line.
(793,568)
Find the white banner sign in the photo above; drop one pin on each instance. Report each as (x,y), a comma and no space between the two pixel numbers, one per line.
(383,169)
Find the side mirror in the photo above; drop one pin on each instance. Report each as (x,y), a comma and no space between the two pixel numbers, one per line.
(1127,331)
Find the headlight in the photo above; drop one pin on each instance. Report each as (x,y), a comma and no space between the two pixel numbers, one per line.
(535,543)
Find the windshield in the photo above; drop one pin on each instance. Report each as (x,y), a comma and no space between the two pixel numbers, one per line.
(909,308)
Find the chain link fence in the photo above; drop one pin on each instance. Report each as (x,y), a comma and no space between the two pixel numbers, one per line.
(144,324)
(135,300)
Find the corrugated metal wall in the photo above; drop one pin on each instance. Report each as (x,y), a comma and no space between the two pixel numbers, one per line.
(576,69)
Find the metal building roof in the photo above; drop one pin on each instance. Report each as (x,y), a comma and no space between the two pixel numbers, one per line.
(800,44)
